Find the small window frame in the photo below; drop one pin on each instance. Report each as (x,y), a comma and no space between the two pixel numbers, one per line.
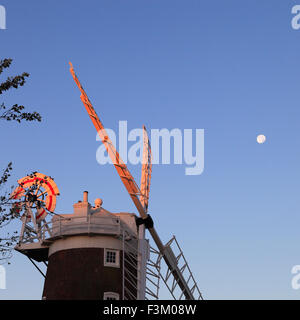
(115,264)
(111,296)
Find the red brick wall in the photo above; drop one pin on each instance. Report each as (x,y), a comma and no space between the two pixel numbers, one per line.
(80,274)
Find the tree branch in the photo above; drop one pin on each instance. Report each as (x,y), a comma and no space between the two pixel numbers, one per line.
(15,113)
(5,64)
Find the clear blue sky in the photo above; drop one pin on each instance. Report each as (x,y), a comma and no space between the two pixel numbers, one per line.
(229,67)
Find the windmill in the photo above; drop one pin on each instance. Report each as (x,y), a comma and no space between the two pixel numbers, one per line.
(189,288)
(94,253)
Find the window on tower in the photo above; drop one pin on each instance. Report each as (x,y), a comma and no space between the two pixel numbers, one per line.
(111,296)
(111,258)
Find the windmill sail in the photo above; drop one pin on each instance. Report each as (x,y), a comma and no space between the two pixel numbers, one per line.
(139,197)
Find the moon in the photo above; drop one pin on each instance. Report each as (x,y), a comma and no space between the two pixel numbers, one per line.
(261,139)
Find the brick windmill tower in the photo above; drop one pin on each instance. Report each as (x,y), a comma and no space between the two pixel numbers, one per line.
(93,253)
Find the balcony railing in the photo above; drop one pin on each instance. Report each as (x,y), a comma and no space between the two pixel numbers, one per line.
(60,227)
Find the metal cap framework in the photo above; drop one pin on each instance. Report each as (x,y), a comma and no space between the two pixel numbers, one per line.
(36,191)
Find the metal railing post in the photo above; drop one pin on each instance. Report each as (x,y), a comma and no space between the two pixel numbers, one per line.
(60,226)
(123,263)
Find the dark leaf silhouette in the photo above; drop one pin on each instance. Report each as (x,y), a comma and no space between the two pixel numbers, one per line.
(18,114)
